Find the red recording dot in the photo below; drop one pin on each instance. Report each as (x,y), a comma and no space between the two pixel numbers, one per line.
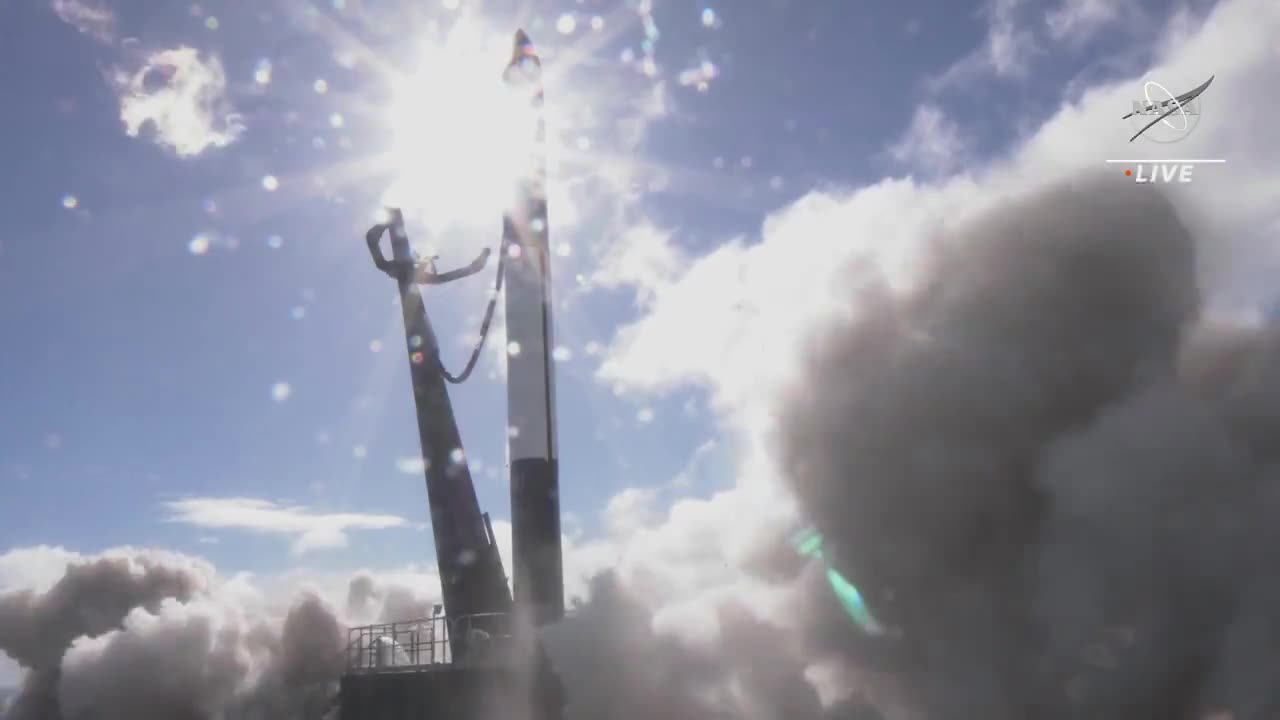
(1128,172)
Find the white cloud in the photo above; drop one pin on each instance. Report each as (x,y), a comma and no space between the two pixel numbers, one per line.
(398,593)
(309,530)
(643,258)
(1075,21)
(183,98)
(10,673)
(689,559)
(583,560)
(1006,49)
(90,17)
(684,559)
(630,510)
(688,474)
(35,568)
(733,322)
(650,106)
(932,142)
(228,646)
(502,538)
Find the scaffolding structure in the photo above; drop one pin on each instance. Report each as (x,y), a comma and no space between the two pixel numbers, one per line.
(424,644)
(406,669)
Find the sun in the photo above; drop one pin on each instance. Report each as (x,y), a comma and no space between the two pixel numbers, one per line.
(461,138)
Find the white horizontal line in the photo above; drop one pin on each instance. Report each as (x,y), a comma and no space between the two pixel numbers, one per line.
(1184,161)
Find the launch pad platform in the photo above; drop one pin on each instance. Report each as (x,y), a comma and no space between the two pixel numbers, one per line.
(397,671)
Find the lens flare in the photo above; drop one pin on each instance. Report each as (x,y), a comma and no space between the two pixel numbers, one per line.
(808,542)
(462,137)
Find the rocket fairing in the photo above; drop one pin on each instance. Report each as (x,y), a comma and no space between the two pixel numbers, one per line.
(538,573)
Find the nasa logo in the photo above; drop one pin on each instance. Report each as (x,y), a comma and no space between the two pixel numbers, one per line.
(1165,118)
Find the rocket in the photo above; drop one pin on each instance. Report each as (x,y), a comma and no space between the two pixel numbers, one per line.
(538,572)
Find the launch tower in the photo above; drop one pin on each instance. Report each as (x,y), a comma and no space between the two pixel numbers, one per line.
(478,656)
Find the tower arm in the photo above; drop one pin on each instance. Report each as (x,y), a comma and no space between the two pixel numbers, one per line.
(472,579)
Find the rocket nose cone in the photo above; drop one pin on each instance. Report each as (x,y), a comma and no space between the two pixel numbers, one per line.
(521,46)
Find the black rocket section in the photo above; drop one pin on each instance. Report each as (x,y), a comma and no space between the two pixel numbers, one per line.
(538,582)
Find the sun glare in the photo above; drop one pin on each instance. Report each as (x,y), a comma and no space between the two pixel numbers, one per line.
(461,137)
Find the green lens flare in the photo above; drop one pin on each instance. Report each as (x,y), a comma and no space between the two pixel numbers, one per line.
(853,603)
(811,545)
(808,543)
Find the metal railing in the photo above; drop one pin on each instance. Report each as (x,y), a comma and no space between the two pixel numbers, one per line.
(424,643)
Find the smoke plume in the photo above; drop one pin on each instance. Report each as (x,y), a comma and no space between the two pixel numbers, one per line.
(143,634)
(1049,472)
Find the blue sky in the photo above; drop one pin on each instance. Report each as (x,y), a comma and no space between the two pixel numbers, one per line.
(159,282)
(139,372)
